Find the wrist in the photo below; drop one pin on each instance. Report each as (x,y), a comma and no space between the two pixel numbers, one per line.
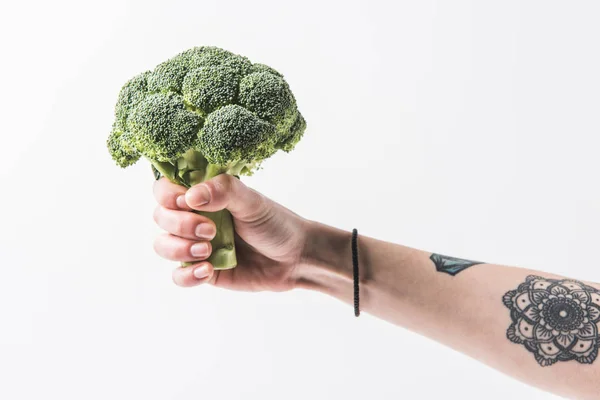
(326,264)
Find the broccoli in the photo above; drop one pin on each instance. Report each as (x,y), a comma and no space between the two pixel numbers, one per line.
(202,113)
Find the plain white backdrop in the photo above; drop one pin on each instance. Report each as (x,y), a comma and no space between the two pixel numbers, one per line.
(466,128)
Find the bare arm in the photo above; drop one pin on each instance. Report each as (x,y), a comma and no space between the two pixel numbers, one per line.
(537,327)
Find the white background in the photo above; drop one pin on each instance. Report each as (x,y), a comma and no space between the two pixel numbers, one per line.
(466,128)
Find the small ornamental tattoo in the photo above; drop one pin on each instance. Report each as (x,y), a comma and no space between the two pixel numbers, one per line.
(555,319)
(451,265)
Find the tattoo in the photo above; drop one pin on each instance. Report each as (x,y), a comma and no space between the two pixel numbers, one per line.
(555,319)
(451,265)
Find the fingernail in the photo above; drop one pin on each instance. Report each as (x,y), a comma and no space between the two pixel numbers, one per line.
(198,195)
(180,201)
(205,231)
(199,249)
(201,272)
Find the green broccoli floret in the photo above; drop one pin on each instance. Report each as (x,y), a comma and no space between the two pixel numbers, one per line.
(131,94)
(288,143)
(121,149)
(203,113)
(208,88)
(162,129)
(234,134)
(264,68)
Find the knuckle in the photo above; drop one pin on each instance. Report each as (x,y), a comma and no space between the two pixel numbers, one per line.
(182,278)
(179,225)
(165,196)
(161,196)
(156,189)
(166,247)
(174,252)
(157,244)
(223,182)
(262,205)
(177,278)
(189,222)
(156,214)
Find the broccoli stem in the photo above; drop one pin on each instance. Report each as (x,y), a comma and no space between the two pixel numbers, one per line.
(223,245)
(192,169)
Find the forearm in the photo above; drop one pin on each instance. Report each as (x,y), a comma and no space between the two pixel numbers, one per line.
(465,311)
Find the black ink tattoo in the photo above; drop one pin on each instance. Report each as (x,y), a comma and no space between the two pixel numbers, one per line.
(555,319)
(451,265)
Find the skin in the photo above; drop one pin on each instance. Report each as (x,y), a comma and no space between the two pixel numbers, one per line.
(279,250)
(270,238)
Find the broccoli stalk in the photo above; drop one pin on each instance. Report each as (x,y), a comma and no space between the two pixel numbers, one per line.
(203,113)
(191,169)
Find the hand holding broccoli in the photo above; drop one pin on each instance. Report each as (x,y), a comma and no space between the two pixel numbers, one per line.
(271,239)
(204,113)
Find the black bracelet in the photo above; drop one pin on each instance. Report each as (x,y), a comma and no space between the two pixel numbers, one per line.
(355,271)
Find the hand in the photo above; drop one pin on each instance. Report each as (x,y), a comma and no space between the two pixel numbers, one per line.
(270,239)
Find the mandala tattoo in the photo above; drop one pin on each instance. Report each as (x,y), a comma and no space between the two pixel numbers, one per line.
(451,265)
(555,319)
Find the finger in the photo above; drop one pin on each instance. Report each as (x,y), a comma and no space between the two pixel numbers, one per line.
(178,249)
(193,275)
(170,195)
(185,224)
(226,191)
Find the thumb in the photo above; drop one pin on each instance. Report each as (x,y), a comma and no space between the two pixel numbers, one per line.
(226,191)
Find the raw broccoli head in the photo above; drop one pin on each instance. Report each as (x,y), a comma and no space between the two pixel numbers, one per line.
(209,101)
(203,113)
